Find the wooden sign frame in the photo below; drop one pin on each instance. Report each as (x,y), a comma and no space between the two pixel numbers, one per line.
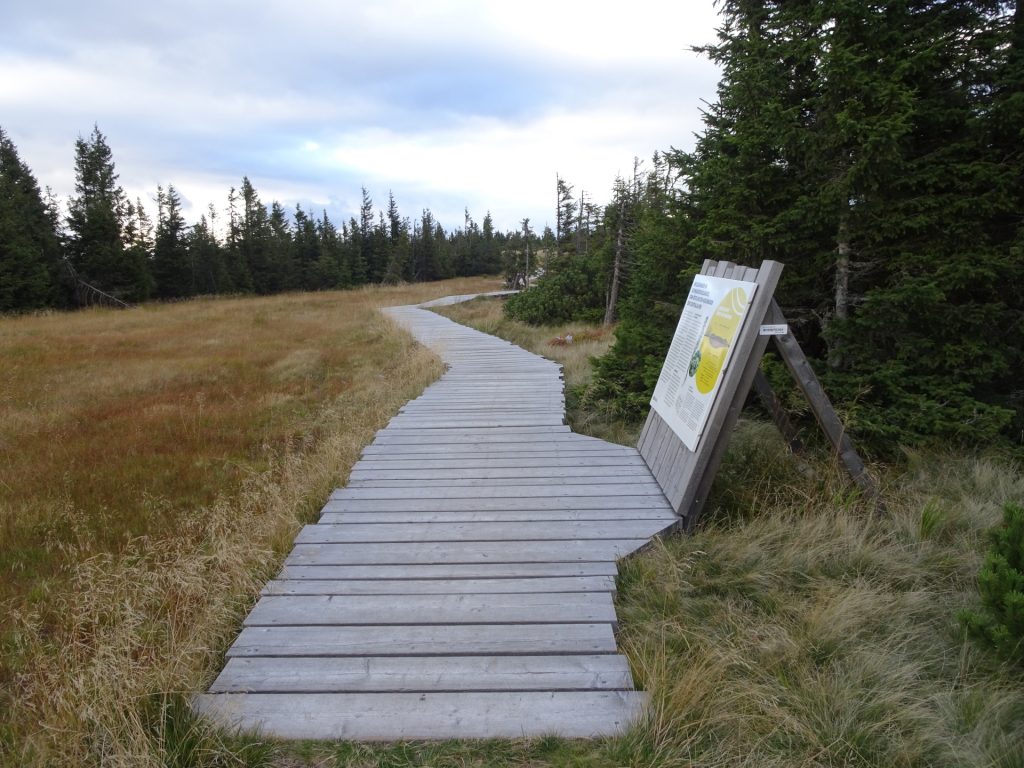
(686,476)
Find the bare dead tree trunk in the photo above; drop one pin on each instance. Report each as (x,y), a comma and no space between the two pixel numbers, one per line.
(526,240)
(842,282)
(613,294)
(558,214)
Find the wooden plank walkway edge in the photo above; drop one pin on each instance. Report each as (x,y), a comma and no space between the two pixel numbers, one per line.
(461,585)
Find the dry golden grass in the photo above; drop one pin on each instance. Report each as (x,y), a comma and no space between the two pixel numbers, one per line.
(155,465)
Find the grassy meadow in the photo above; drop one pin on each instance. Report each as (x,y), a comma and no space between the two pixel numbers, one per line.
(154,467)
(156,464)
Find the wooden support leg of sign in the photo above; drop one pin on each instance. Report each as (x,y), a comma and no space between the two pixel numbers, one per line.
(800,368)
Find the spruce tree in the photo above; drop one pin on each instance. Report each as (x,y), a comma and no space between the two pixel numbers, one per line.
(354,262)
(366,266)
(490,256)
(284,270)
(661,268)
(235,254)
(399,249)
(332,271)
(207,257)
(255,241)
(172,266)
(29,248)
(96,222)
(307,254)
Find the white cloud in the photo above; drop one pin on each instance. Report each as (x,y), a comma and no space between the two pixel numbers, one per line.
(448,103)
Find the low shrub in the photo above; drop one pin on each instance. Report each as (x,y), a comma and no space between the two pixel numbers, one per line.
(1000,622)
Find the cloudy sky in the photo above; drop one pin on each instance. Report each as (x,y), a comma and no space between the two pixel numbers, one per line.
(447,103)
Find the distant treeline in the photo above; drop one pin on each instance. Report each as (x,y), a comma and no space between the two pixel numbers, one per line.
(107,248)
(877,150)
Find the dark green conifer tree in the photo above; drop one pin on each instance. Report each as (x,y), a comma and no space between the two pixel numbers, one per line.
(207,255)
(352,240)
(369,268)
(172,265)
(399,248)
(307,254)
(490,255)
(332,271)
(235,257)
(30,253)
(96,220)
(255,241)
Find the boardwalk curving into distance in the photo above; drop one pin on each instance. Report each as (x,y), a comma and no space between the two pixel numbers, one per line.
(460,585)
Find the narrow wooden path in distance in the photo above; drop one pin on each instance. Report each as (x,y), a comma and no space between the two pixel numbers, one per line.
(460,585)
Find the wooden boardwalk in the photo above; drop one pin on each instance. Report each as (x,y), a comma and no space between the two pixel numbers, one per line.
(460,585)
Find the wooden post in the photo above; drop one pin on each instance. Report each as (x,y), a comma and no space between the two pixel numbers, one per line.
(825,414)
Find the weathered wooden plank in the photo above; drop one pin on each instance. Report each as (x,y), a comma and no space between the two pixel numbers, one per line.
(502,461)
(458,438)
(512,503)
(465,401)
(424,640)
(469,418)
(300,586)
(556,432)
(504,475)
(509,484)
(449,571)
(498,608)
(424,673)
(644,433)
(340,518)
(552,436)
(440,407)
(496,492)
(491,450)
(324,533)
(395,716)
(465,552)
(457,423)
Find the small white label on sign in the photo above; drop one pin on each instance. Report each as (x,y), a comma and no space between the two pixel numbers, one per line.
(775,330)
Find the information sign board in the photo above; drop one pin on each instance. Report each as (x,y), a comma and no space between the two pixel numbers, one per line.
(709,326)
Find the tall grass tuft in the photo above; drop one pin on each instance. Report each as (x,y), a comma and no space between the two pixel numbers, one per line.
(809,631)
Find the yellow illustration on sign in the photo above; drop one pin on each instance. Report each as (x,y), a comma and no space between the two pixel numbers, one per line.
(718,337)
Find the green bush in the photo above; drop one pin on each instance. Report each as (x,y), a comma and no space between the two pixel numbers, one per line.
(570,292)
(1001,582)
